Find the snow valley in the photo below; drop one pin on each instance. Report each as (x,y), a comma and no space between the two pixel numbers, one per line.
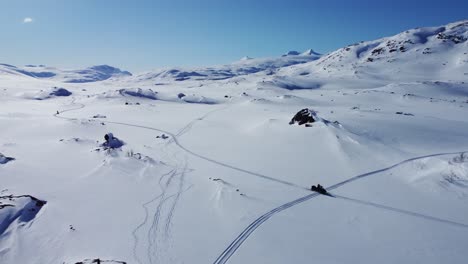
(215,164)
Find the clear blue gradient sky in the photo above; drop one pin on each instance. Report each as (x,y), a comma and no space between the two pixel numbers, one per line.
(144,34)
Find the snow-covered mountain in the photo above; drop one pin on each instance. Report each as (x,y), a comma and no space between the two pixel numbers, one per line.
(244,66)
(417,54)
(91,74)
(215,164)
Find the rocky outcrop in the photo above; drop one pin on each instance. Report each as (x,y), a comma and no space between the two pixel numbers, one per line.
(305,116)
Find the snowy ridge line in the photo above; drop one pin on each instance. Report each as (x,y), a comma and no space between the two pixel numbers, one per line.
(232,248)
(176,141)
(401,211)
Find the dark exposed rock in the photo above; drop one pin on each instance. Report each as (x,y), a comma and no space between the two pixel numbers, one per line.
(60,92)
(112,142)
(378,51)
(4,159)
(403,113)
(303,117)
(454,38)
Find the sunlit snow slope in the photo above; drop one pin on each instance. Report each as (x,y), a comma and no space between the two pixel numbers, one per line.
(211,171)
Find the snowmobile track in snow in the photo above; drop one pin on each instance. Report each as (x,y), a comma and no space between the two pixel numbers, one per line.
(234,246)
(189,126)
(401,211)
(176,141)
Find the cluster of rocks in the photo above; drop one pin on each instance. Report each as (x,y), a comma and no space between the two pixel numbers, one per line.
(403,113)
(304,116)
(454,38)
(112,142)
(57,91)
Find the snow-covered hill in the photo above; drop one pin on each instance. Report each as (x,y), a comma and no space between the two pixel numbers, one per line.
(209,168)
(91,74)
(417,54)
(245,66)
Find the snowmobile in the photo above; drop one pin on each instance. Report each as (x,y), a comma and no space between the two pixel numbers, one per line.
(319,188)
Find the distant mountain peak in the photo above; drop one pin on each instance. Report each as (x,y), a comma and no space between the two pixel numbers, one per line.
(310,52)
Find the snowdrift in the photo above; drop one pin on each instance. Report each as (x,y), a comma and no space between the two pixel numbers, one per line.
(48,93)
(17,210)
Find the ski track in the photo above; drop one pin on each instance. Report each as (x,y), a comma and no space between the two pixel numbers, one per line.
(145,220)
(153,231)
(222,164)
(189,126)
(176,141)
(164,197)
(234,246)
(175,201)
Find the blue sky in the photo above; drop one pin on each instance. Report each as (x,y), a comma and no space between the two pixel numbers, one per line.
(144,34)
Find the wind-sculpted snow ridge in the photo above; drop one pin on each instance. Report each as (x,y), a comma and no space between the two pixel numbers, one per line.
(91,74)
(196,99)
(138,92)
(17,210)
(141,93)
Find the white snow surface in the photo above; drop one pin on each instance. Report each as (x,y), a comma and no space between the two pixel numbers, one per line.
(211,171)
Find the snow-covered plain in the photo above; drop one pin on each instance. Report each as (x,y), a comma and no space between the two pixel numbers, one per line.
(211,171)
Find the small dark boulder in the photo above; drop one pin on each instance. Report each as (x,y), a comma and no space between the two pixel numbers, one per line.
(60,92)
(303,117)
(4,159)
(112,142)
